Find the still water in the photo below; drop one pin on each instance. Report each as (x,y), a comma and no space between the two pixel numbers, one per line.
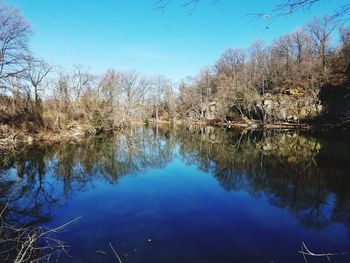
(187,194)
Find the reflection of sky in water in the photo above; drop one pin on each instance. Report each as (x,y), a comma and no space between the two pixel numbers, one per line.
(168,210)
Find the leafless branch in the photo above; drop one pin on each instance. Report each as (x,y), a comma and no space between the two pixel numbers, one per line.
(162,4)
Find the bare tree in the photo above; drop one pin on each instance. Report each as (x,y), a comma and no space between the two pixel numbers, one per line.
(158,89)
(36,71)
(302,47)
(110,88)
(258,66)
(320,30)
(170,101)
(205,87)
(81,80)
(231,62)
(283,47)
(14,34)
(134,88)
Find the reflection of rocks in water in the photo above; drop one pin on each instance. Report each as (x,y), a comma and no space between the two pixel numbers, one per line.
(293,148)
(290,169)
(283,166)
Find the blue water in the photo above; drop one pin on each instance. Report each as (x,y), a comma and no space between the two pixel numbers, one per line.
(191,195)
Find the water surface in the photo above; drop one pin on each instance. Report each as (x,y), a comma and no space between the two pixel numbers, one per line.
(188,194)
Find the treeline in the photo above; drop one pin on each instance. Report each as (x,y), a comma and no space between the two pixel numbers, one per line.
(38,96)
(300,77)
(289,80)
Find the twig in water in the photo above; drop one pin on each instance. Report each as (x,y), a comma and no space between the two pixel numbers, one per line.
(31,244)
(115,252)
(307,252)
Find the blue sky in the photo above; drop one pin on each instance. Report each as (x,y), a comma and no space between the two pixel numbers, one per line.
(131,34)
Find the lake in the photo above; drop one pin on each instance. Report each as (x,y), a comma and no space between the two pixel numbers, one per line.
(187,194)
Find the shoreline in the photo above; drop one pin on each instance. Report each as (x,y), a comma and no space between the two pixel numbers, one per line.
(17,138)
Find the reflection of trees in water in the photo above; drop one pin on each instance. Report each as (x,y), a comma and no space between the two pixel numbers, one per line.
(38,178)
(26,197)
(289,169)
(74,166)
(112,157)
(22,176)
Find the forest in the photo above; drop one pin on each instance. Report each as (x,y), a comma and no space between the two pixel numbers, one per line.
(300,79)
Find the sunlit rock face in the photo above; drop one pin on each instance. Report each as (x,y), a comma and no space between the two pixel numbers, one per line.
(289,106)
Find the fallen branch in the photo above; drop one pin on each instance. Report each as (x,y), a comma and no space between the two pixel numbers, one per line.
(306,252)
(115,253)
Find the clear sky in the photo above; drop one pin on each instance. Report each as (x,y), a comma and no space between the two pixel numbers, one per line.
(131,34)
